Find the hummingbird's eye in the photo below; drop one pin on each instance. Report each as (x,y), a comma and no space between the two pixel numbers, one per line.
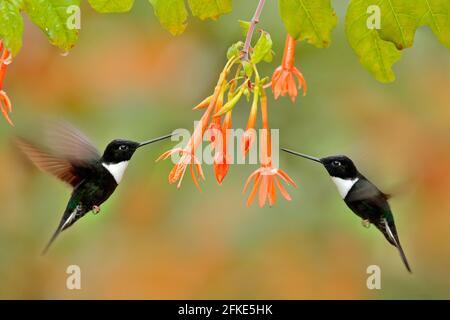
(336,163)
(123,147)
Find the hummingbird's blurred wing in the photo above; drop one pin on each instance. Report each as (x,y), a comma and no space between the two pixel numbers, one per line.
(70,143)
(69,156)
(45,161)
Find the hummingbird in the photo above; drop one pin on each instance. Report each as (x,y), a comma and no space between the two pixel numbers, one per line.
(361,196)
(74,160)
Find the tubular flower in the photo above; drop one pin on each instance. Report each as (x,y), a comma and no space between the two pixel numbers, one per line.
(249,135)
(212,104)
(283,79)
(5,103)
(266,177)
(221,160)
(178,171)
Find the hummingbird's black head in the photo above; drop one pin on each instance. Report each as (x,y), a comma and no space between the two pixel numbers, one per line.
(119,150)
(340,167)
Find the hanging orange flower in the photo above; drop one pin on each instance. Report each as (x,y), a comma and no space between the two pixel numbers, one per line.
(283,79)
(221,159)
(5,103)
(266,178)
(249,135)
(212,104)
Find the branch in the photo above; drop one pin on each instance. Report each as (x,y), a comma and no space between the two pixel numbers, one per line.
(251,30)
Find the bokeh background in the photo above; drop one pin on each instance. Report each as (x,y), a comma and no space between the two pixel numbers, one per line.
(127,77)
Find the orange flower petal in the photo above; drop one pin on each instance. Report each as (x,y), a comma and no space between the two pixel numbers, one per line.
(252,195)
(286,178)
(272,192)
(263,190)
(283,191)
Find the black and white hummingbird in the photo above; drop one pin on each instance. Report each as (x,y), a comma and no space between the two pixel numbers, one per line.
(361,196)
(73,159)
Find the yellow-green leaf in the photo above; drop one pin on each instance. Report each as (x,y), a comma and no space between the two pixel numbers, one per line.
(438,18)
(245,25)
(375,54)
(172,14)
(109,6)
(210,9)
(52,16)
(235,49)
(399,20)
(262,48)
(11,25)
(311,20)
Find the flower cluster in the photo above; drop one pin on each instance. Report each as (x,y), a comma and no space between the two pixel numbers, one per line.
(5,103)
(240,78)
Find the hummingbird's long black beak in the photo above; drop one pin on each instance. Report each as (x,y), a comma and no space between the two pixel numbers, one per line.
(302,155)
(155,140)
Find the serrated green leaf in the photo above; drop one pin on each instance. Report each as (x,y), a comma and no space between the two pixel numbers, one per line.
(311,20)
(245,25)
(399,20)
(52,17)
(110,6)
(210,9)
(262,48)
(11,25)
(235,49)
(375,54)
(438,19)
(172,15)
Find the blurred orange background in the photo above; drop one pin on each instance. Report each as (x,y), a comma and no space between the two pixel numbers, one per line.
(129,78)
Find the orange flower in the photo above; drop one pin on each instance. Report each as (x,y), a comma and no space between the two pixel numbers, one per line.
(5,103)
(249,135)
(188,153)
(221,160)
(283,79)
(187,158)
(266,179)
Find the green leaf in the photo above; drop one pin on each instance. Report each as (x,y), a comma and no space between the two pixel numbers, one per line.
(438,18)
(245,25)
(262,48)
(11,25)
(109,6)
(375,54)
(248,68)
(311,20)
(52,17)
(235,49)
(210,9)
(172,14)
(399,20)
(269,56)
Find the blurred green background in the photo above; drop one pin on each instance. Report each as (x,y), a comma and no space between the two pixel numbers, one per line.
(127,77)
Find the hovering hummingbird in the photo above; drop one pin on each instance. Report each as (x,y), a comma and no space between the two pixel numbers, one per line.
(74,160)
(361,196)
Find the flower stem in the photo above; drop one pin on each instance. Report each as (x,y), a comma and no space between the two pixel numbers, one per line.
(251,30)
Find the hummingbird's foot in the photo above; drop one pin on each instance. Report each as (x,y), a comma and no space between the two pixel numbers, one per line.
(366,223)
(95,209)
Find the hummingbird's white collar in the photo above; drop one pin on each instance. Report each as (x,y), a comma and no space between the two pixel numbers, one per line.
(344,185)
(116,169)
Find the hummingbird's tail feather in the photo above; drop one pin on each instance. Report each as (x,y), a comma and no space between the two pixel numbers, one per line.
(69,218)
(391,235)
